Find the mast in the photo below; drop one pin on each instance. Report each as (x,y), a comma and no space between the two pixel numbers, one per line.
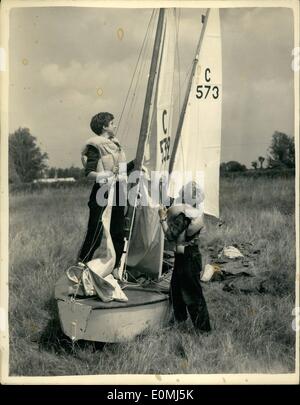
(149,92)
(186,98)
(143,136)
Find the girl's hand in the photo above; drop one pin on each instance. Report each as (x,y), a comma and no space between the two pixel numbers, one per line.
(104,177)
(122,177)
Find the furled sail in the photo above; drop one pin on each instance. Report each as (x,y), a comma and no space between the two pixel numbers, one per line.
(198,153)
(147,240)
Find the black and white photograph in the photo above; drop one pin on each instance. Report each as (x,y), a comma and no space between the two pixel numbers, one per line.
(149,191)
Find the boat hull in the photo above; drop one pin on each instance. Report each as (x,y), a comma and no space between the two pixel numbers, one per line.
(80,321)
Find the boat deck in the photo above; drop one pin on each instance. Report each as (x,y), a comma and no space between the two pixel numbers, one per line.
(135,298)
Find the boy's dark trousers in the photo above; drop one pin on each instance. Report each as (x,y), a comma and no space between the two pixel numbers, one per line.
(186,290)
(95,227)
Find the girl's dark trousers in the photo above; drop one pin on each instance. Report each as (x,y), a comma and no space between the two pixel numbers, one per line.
(186,290)
(95,229)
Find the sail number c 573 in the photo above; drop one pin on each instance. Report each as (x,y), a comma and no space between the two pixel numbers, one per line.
(165,149)
(207,90)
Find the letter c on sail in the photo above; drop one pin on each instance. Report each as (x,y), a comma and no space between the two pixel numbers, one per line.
(163,121)
(207,71)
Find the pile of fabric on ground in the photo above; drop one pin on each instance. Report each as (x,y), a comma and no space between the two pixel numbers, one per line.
(235,265)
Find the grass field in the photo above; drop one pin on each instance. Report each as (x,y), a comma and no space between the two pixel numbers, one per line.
(252,333)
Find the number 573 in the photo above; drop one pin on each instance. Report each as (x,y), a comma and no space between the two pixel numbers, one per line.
(205,90)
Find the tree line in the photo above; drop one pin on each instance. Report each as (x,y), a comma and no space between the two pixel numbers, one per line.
(280,155)
(27,162)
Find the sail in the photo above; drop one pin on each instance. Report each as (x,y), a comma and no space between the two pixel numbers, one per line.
(147,240)
(198,153)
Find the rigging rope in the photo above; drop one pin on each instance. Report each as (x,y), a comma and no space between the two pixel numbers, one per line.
(138,184)
(153,115)
(134,73)
(139,72)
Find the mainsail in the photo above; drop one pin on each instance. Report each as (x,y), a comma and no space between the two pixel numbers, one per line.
(147,240)
(198,153)
(158,142)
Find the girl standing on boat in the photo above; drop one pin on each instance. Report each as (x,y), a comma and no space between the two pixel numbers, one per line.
(182,224)
(103,156)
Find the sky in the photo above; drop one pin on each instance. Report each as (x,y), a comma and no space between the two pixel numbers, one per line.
(68,63)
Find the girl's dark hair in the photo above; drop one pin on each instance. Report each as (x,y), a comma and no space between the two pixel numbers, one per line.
(99,121)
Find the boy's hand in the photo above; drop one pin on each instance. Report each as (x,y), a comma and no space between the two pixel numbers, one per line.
(162,212)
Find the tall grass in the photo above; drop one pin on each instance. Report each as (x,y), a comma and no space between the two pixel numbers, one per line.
(251,333)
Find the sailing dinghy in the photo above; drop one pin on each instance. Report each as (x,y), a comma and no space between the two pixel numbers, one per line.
(197,142)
